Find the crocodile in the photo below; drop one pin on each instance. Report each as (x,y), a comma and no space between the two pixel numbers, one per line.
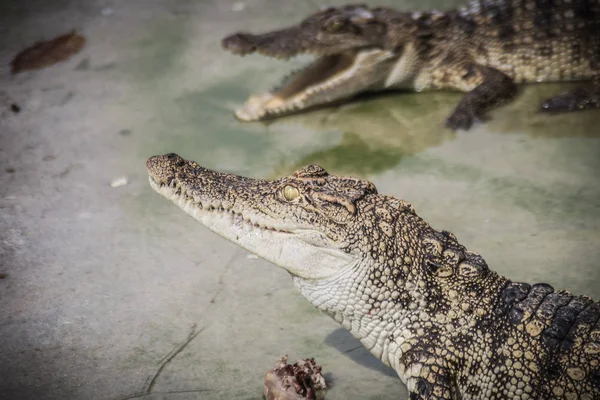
(484,49)
(422,303)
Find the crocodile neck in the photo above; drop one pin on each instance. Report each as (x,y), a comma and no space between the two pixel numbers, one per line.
(390,316)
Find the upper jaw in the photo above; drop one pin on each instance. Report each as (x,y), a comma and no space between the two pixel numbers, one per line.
(193,193)
(282,44)
(179,195)
(200,207)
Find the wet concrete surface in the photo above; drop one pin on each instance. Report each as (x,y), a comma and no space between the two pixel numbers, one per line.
(113,293)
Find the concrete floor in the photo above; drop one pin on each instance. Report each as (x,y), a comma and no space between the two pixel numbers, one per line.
(113,293)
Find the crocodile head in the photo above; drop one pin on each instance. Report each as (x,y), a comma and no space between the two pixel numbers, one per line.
(308,223)
(364,258)
(351,44)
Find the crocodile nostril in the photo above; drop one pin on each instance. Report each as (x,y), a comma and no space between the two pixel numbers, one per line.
(171,156)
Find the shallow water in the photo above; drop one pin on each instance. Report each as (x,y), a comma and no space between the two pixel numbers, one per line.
(107,284)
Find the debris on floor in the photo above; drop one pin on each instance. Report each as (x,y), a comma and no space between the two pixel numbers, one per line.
(45,53)
(8,105)
(294,382)
(117,182)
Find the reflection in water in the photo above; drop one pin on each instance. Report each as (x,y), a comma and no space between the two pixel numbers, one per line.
(522,116)
(378,131)
(354,156)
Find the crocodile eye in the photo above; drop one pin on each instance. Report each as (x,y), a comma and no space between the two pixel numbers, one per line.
(290,192)
(336,25)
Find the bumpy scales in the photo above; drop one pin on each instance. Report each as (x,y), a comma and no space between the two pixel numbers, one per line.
(415,297)
(483,49)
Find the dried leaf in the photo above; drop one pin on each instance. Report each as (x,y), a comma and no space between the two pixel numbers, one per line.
(43,54)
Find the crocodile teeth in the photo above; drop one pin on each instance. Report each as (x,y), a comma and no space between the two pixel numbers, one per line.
(325,80)
(195,206)
(258,107)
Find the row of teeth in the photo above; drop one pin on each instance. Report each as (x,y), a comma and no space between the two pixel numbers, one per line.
(236,216)
(264,53)
(276,56)
(179,192)
(267,53)
(299,102)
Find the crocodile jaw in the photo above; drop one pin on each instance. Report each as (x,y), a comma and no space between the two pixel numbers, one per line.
(304,253)
(330,78)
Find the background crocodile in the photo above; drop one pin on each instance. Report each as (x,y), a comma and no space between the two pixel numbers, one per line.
(415,297)
(484,49)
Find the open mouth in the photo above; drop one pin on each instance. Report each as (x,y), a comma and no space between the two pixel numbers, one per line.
(331,77)
(320,75)
(318,83)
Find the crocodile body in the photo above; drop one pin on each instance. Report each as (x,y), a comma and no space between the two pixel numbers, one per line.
(484,49)
(417,299)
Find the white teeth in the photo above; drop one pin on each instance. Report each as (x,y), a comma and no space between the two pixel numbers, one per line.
(247,114)
(258,107)
(194,207)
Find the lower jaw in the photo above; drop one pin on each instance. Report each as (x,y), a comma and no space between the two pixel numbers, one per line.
(270,105)
(256,109)
(274,104)
(301,91)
